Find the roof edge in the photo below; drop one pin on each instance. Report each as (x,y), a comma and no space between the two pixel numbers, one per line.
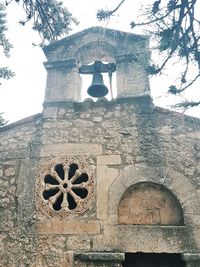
(93,29)
(176,113)
(29,119)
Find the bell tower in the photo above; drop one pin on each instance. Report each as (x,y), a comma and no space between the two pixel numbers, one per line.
(125,53)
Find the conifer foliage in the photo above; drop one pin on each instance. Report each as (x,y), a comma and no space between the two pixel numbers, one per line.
(48,17)
(174,26)
(5,46)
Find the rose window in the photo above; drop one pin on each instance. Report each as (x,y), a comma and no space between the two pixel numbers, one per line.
(66,188)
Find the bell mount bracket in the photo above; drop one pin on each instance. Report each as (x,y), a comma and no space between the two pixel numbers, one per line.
(98,67)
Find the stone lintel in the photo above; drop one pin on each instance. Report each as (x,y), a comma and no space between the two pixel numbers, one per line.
(69,104)
(100,257)
(60,64)
(54,227)
(145,100)
(66,149)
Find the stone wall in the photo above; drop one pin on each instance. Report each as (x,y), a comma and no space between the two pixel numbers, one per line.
(119,143)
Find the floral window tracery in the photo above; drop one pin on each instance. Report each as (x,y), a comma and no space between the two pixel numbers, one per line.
(65,188)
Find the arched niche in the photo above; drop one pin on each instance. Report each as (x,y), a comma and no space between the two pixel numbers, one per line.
(93,51)
(148,203)
(96,50)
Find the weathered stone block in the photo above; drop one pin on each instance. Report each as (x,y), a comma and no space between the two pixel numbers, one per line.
(10,171)
(105,177)
(68,227)
(50,112)
(52,150)
(79,243)
(109,160)
(104,259)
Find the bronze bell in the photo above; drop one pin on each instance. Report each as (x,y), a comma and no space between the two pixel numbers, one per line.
(97,88)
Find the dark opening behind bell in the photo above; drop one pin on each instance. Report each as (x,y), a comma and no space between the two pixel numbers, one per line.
(97,88)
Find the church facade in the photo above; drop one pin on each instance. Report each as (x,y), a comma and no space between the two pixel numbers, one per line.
(106,183)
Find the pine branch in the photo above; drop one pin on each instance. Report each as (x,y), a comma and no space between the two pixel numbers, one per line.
(106,14)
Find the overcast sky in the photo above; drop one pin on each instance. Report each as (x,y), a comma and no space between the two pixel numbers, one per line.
(23,95)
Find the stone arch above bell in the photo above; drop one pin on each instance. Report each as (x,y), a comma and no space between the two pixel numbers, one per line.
(148,203)
(95,50)
(128,51)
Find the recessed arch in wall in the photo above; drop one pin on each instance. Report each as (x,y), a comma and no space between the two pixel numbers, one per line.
(90,52)
(95,50)
(148,203)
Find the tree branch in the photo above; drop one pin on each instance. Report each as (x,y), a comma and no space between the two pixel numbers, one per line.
(106,14)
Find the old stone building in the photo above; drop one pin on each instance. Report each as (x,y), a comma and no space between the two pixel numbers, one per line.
(105,183)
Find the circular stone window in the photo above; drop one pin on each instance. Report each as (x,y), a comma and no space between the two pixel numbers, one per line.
(65,187)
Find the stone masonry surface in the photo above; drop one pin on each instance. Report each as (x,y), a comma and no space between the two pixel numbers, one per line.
(130,134)
(86,183)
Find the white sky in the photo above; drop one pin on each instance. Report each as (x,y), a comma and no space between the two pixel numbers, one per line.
(23,95)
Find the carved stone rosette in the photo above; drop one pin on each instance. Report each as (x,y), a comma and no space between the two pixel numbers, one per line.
(65,187)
